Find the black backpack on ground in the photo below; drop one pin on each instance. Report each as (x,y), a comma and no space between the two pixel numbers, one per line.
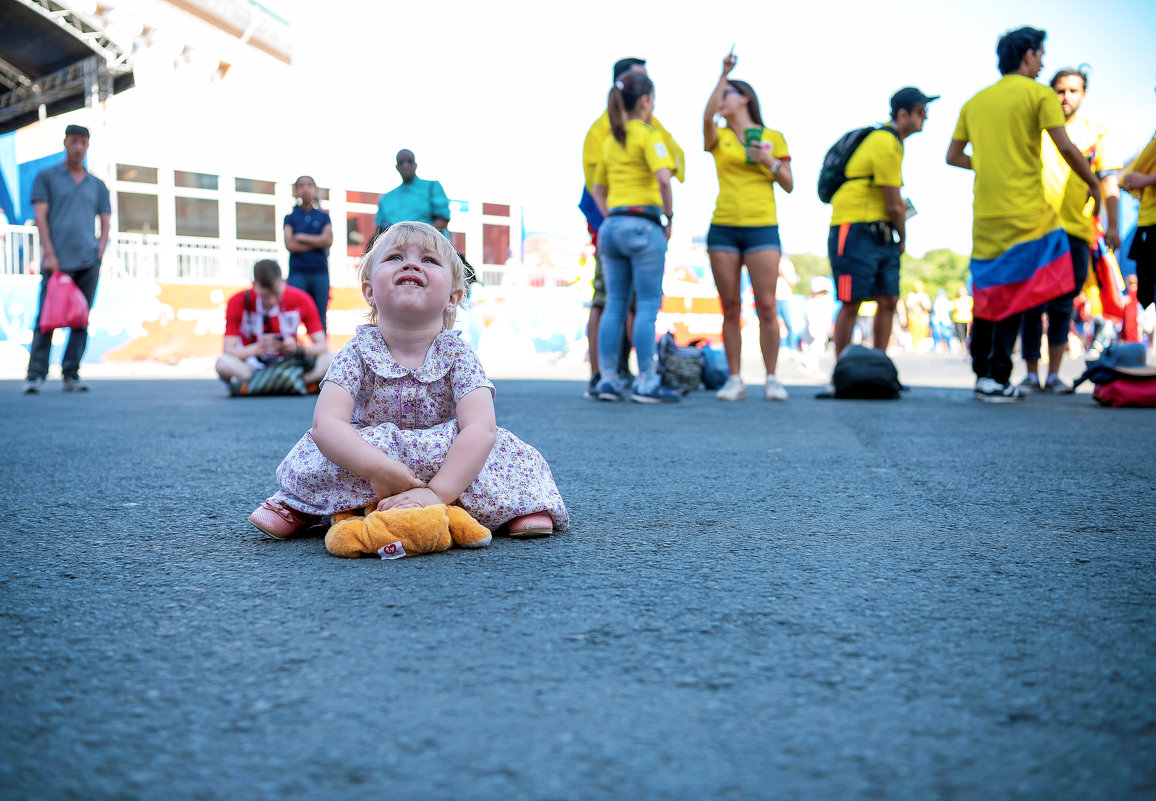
(865,373)
(833,173)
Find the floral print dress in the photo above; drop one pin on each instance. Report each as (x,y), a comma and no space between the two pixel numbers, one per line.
(409,415)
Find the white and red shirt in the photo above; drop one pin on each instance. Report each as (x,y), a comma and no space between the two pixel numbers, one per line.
(246,317)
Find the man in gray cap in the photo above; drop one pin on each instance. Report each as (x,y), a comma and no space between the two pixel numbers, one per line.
(65,199)
(868,232)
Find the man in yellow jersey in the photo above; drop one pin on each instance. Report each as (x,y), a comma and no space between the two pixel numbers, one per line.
(868,217)
(1067,192)
(1141,182)
(1020,255)
(591,156)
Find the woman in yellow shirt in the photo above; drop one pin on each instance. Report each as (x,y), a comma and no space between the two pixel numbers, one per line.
(750,160)
(632,189)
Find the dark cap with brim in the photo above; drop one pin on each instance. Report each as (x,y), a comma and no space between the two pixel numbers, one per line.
(76,130)
(909,97)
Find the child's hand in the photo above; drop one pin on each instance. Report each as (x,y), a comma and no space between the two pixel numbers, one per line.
(410,499)
(393,478)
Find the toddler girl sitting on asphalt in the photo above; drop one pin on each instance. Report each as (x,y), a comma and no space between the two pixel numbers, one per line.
(405,417)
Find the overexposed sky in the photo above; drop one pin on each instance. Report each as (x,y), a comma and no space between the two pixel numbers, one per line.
(495,98)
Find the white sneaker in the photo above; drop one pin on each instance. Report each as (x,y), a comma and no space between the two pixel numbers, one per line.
(774,390)
(733,390)
(989,390)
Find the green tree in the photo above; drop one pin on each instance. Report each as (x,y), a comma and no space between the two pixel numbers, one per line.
(808,265)
(940,268)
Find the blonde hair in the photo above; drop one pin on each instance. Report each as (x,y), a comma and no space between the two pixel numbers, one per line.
(431,239)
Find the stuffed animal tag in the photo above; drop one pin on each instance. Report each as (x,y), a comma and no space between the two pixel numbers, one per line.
(391,550)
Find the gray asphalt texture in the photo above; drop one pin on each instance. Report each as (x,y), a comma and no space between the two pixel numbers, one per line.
(931,599)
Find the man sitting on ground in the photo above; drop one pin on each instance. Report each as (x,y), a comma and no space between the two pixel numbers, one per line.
(261,330)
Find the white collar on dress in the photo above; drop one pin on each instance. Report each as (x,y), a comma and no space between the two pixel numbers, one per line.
(373,350)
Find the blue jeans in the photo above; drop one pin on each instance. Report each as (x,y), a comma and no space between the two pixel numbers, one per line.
(316,285)
(633,255)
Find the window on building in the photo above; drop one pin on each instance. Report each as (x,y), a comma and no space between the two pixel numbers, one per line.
(362,197)
(256,221)
(137,213)
(493,209)
(359,229)
(140,175)
(459,241)
(197,217)
(254,186)
(195,180)
(495,244)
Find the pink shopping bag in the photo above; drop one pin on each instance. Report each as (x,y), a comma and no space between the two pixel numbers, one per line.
(64,304)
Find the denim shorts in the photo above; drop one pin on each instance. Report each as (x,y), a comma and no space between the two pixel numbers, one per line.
(742,238)
(863,263)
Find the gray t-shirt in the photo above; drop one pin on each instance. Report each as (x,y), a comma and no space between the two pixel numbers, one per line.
(72,211)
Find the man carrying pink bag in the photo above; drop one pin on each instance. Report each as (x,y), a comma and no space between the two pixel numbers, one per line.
(65,199)
(64,305)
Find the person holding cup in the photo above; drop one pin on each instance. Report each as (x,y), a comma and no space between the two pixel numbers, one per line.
(750,159)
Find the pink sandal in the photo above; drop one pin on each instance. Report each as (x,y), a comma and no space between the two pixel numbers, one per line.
(279,521)
(538,524)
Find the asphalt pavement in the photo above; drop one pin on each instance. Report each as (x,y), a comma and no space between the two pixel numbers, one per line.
(930,598)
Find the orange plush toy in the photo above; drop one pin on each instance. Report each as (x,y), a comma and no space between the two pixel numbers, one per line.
(395,533)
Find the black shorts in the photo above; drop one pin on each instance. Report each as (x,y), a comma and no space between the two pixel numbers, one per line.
(1143,252)
(864,261)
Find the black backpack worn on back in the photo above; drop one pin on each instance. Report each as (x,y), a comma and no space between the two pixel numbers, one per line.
(833,173)
(865,373)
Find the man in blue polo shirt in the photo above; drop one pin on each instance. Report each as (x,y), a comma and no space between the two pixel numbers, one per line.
(65,200)
(416,199)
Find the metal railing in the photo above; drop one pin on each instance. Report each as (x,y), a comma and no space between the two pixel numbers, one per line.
(197,260)
(19,249)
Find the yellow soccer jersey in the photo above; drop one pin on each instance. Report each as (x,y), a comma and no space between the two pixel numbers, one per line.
(746,194)
(1003,123)
(600,131)
(628,171)
(876,163)
(1146,163)
(1065,190)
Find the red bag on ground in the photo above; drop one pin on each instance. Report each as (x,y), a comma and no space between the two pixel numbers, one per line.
(64,304)
(1127,392)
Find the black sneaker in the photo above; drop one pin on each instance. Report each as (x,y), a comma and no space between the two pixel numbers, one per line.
(608,392)
(1030,383)
(591,392)
(989,390)
(73,385)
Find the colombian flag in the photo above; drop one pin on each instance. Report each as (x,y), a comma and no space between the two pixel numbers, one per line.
(1109,277)
(1016,265)
(589,208)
